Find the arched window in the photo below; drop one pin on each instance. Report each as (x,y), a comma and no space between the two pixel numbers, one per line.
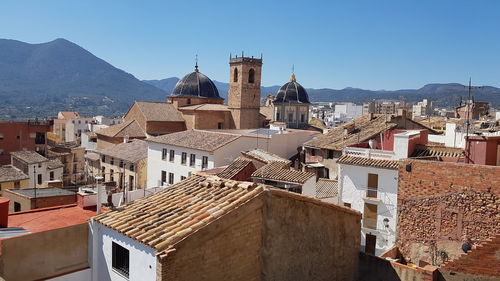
(251,76)
(235,75)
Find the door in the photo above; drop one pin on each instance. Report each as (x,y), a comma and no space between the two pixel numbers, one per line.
(370,244)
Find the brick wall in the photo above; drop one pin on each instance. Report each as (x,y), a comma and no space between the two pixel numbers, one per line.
(45,202)
(441,205)
(479,264)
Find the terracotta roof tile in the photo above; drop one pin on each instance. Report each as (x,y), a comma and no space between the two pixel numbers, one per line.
(280,171)
(70,114)
(10,173)
(54,164)
(317,123)
(267,111)
(164,218)
(264,156)
(128,128)
(131,151)
(442,151)
(327,188)
(196,139)
(364,129)
(235,167)
(159,111)
(206,106)
(28,156)
(361,161)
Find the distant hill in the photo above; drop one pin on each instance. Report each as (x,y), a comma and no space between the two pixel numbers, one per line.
(448,95)
(41,79)
(38,80)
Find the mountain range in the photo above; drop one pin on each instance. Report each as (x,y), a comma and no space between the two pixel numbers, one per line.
(38,80)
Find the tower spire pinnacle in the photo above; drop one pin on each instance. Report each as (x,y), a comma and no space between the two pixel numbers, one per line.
(196,65)
(292,77)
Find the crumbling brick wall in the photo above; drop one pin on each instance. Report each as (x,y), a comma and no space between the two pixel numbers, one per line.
(442,205)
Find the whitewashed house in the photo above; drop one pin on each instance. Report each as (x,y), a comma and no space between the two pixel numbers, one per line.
(368,183)
(173,157)
(39,169)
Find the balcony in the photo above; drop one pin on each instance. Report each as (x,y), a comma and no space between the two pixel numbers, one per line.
(370,223)
(370,153)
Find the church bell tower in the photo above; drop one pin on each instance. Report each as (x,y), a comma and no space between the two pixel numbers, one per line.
(244,91)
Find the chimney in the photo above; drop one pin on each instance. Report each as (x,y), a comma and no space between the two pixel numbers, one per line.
(4,212)
(126,139)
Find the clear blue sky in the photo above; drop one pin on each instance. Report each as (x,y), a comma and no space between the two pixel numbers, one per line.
(373,44)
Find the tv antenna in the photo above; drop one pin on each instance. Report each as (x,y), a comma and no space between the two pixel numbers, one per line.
(468,105)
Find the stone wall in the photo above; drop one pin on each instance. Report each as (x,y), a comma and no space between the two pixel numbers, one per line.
(442,205)
(164,127)
(373,268)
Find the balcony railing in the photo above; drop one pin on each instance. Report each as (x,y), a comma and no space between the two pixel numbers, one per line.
(371,192)
(370,153)
(370,223)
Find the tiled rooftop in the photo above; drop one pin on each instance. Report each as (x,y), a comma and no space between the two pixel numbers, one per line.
(128,128)
(50,218)
(28,156)
(42,192)
(70,114)
(206,106)
(442,151)
(159,111)
(170,215)
(196,139)
(235,167)
(280,171)
(54,164)
(131,151)
(10,173)
(364,129)
(264,156)
(327,188)
(362,161)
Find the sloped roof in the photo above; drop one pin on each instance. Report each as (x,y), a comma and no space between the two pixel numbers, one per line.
(10,173)
(317,123)
(131,151)
(129,128)
(159,111)
(70,114)
(206,107)
(432,150)
(235,167)
(280,171)
(267,111)
(168,216)
(361,161)
(54,164)
(196,139)
(264,156)
(327,188)
(28,156)
(364,129)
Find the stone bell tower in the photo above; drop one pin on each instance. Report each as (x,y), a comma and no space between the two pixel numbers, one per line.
(244,91)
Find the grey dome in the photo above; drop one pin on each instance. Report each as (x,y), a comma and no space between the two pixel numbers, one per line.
(195,84)
(292,92)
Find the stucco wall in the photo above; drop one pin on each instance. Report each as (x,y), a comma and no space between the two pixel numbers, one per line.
(44,254)
(10,185)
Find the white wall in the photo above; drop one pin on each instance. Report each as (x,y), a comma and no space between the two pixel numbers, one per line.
(353,182)
(82,275)
(142,258)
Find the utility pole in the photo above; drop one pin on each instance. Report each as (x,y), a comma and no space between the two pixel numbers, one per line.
(468,105)
(34,181)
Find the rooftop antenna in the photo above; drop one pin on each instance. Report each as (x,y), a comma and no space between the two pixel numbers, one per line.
(196,65)
(468,105)
(230,56)
(261,56)
(242,54)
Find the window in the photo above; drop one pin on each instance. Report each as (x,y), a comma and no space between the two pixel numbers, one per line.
(170,178)
(104,173)
(1,137)
(204,162)
(370,244)
(121,163)
(302,117)
(188,101)
(290,116)
(372,185)
(111,175)
(39,179)
(103,158)
(171,155)
(164,154)
(330,154)
(120,259)
(278,116)
(235,75)
(220,125)
(370,216)
(192,160)
(17,207)
(163,177)
(313,152)
(251,76)
(183,178)
(112,162)
(17,184)
(348,205)
(184,158)
(131,167)
(130,182)
(51,176)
